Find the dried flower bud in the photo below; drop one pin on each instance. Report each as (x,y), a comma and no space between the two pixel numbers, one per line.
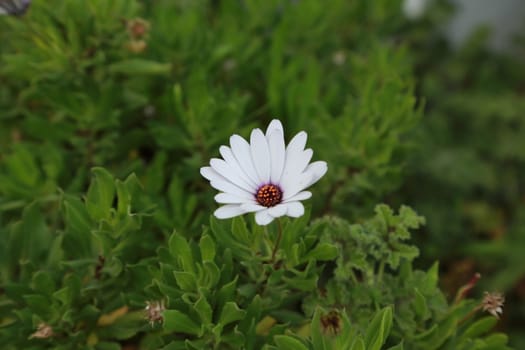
(331,323)
(493,303)
(138,28)
(154,310)
(43,331)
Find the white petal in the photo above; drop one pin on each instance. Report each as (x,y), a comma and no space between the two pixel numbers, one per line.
(260,155)
(210,174)
(229,173)
(295,209)
(252,207)
(228,156)
(294,151)
(228,198)
(241,150)
(228,187)
(317,169)
(277,153)
(263,218)
(274,125)
(295,166)
(228,211)
(278,211)
(298,141)
(301,161)
(301,182)
(301,196)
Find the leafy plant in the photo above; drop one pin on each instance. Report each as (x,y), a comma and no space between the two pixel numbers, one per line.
(108,109)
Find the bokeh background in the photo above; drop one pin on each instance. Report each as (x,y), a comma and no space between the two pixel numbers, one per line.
(468,179)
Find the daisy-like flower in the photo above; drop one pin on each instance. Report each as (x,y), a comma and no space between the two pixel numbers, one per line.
(263,176)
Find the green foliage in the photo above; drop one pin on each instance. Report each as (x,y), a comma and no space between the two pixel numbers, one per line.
(109,108)
(471,160)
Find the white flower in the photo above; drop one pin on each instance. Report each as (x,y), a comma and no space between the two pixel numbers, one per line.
(263,176)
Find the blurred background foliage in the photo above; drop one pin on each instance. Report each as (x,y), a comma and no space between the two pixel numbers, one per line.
(147,91)
(470,164)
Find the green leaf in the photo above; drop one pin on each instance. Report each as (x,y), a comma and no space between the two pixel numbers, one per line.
(207,246)
(497,340)
(359,344)
(22,166)
(78,233)
(230,313)
(432,278)
(204,310)
(240,231)
(39,305)
(479,327)
(248,325)
(420,305)
(410,218)
(29,238)
(124,198)
(226,293)
(224,237)
(304,284)
(293,230)
(235,339)
(43,283)
(181,251)
(209,275)
(77,217)
(185,280)
(322,252)
(379,329)
(71,290)
(176,321)
(318,340)
(101,191)
(438,334)
(348,333)
(285,342)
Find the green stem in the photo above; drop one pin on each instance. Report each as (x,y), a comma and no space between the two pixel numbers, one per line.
(470,314)
(278,241)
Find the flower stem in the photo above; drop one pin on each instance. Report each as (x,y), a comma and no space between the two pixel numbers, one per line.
(470,314)
(278,241)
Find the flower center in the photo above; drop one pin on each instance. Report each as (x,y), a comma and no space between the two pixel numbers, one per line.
(269,195)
